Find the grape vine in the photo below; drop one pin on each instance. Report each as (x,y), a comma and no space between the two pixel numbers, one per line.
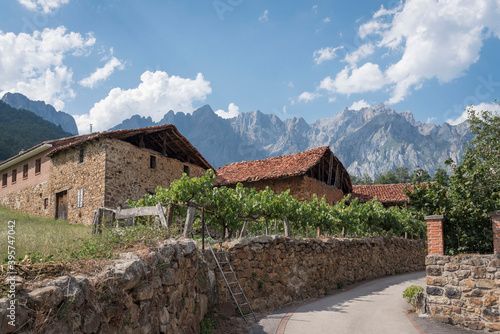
(228,208)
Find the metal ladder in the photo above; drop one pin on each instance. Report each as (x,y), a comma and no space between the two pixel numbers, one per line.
(234,286)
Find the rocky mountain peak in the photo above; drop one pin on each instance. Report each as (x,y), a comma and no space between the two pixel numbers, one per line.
(40,108)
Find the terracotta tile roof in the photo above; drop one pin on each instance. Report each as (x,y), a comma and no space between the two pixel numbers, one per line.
(275,168)
(175,140)
(389,194)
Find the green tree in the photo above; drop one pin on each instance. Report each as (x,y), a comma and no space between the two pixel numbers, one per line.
(474,189)
(402,174)
(420,175)
(365,179)
(442,177)
(387,178)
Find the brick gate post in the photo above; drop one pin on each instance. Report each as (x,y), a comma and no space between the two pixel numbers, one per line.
(495,222)
(435,238)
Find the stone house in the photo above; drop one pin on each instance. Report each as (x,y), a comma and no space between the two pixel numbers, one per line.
(71,177)
(387,194)
(316,171)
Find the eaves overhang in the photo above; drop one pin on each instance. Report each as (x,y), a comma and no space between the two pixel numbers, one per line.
(25,155)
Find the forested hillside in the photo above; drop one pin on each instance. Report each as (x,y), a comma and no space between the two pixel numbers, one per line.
(21,129)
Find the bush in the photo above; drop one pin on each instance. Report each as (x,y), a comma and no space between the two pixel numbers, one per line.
(412,293)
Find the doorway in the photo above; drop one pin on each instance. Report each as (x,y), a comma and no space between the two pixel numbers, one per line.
(62,205)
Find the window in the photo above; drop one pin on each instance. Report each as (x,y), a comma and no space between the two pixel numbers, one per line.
(152,162)
(79,198)
(45,203)
(25,171)
(14,175)
(38,166)
(186,170)
(81,156)
(4,180)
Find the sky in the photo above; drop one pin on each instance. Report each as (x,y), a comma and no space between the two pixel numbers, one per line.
(104,61)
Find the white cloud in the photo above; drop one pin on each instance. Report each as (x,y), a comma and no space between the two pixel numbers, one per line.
(325,54)
(156,95)
(264,17)
(284,109)
(383,12)
(362,52)
(315,9)
(46,6)
(358,80)
(102,73)
(307,97)
(427,39)
(332,99)
(34,64)
(232,111)
(327,20)
(358,105)
(480,107)
(290,84)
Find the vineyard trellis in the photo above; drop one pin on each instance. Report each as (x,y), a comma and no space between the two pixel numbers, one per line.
(231,210)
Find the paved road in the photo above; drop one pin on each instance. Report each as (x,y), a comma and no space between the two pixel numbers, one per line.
(374,307)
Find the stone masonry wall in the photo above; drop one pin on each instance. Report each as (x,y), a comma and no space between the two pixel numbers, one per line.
(128,175)
(274,270)
(69,175)
(28,194)
(161,290)
(464,290)
(169,288)
(301,187)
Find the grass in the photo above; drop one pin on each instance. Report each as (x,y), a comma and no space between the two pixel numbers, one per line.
(43,239)
(39,238)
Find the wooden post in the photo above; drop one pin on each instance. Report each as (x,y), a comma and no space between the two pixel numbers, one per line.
(170,214)
(495,222)
(330,170)
(319,231)
(343,232)
(267,227)
(161,215)
(435,240)
(244,229)
(189,220)
(287,227)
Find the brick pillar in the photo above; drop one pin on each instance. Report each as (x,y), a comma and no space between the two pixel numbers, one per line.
(435,240)
(495,221)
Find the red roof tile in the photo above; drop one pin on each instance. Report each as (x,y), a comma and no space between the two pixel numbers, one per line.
(274,168)
(390,194)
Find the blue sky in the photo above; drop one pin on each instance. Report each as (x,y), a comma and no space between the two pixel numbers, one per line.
(104,61)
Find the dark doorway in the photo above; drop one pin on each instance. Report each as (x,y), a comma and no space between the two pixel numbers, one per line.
(62,205)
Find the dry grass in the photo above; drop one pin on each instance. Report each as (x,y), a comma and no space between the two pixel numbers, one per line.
(39,238)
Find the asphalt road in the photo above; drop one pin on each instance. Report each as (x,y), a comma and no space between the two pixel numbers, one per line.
(374,307)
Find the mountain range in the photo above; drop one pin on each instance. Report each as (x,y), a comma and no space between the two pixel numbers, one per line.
(371,140)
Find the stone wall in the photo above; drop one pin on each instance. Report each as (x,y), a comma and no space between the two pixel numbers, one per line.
(169,288)
(163,290)
(129,176)
(301,187)
(68,174)
(274,270)
(464,290)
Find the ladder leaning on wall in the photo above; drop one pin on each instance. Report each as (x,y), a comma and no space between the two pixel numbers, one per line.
(232,283)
